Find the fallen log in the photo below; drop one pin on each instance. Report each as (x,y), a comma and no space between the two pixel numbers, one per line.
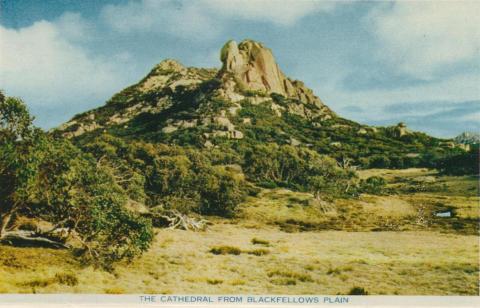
(176,220)
(23,238)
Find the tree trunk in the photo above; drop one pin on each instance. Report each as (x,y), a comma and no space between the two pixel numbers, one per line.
(22,238)
(4,221)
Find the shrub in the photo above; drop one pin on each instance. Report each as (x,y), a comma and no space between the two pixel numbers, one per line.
(259,252)
(256,241)
(115,290)
(284,281)
(221,192)
(466,163)
(379,161)
(226,250)
(374,185)
(66,279)
(214,281)
(357,291)
(177,178)
(303,277)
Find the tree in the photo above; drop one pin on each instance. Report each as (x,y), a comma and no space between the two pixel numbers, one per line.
(74,192)
(221,192)
(261,163)
(53,180)
(15,120)
(117,157)
(325,177)
(300,168)
(19,157)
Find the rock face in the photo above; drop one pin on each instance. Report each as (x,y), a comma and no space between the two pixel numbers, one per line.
(171,74)
(253,68)
(399,130)
(253,65)
(402,129)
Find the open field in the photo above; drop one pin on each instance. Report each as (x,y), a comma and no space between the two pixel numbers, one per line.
(328,262)
(285,243)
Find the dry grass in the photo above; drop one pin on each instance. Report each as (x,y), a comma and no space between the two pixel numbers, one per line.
(328,262)
(252,255)
(390,174)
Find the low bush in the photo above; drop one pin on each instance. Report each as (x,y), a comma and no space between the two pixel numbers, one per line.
(466,163)
(68,279)
(258,252)
(225,250)
(357,291)
(257,241)
(374,185)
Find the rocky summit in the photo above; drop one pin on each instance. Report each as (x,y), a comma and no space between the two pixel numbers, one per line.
(248,101)
(252,66)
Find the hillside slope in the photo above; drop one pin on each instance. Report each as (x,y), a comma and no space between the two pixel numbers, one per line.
(248,101)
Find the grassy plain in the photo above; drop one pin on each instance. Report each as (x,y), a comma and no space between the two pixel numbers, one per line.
(287,243)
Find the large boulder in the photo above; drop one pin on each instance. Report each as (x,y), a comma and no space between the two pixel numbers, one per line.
(253,67)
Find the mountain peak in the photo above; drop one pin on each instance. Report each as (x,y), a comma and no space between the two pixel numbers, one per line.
(253,67)
(249,75)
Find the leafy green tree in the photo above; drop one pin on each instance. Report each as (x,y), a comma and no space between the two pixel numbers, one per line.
(260,163)
(77,193)
(118,158)
(19,157)
(221,191)
(205,189)
(327,178)
(299,168)
(53,180)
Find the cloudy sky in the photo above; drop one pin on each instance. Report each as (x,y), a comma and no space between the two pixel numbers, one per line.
(374,62)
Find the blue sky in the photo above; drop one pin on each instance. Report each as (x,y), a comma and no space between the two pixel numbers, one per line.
(378,63)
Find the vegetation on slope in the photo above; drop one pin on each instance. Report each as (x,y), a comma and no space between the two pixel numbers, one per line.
(52,180)
(337,137)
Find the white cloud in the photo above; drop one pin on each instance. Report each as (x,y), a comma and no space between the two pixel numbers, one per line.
(285,12)
(204,19)
(186,20)
(423,38)
(41,64)
(472,117)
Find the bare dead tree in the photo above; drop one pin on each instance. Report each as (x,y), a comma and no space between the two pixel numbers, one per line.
(177,220)
(30,239)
